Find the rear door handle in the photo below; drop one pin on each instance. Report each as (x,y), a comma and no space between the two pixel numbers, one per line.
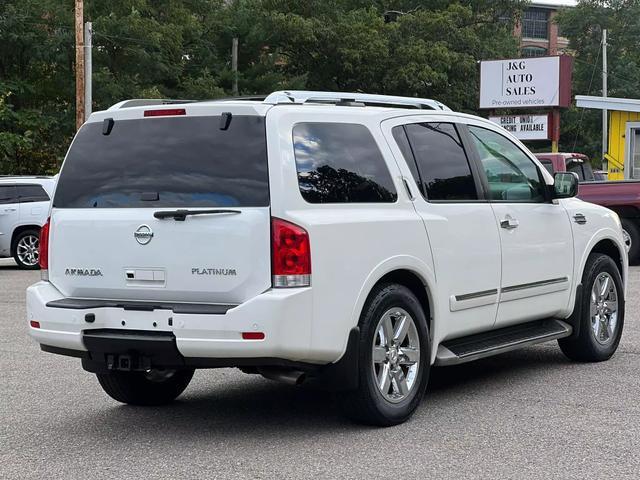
(509,223)
(7,210)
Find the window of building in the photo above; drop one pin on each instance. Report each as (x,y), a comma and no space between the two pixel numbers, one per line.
(340,163)
(535,23)
(534,51)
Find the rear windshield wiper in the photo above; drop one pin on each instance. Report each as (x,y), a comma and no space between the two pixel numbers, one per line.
(181,215)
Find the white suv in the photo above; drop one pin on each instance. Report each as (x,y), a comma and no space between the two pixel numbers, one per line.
(344,239)
(24,206)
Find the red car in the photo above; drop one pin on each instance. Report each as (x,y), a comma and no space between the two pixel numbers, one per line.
(623,197)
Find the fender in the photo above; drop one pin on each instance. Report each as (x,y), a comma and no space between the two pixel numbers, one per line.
(401,262)
(606,233)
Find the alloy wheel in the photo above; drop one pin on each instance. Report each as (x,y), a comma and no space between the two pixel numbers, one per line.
(27,250)
(627,240)
(396,355)
(604,308)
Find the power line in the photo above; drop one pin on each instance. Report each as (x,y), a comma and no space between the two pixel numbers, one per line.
(595,65)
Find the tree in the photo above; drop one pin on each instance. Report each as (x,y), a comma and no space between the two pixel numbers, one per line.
(181,49)
(583,26)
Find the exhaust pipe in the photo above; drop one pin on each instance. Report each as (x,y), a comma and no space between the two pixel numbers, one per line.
(290,377)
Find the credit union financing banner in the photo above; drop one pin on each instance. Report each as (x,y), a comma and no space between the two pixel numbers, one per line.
(525,127)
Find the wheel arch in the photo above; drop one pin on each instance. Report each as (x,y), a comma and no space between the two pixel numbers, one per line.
(404,270)
(608,247)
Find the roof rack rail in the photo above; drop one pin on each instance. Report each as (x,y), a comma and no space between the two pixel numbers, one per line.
(303,96)
(147,102)
(4,177)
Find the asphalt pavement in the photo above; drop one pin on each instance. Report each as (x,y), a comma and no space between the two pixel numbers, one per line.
(526,414)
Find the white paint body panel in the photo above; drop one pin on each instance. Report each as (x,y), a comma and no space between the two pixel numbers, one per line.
(454,249)
(29,214)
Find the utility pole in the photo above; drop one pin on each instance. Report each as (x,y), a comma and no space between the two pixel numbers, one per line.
(234,65)
(79,20)
(88,73)
(605,113)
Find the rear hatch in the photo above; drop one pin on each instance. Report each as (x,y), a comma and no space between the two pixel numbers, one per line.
(116,229)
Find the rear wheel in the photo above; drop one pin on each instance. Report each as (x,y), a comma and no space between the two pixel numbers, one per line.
(155,387)
(393,358)
(602,312)
(26,248)
(631,234)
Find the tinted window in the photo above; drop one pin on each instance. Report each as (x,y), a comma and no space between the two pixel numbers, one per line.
(548,164)
(170,162)
(583,170)
(576,168)
(8,194)
(340,163)
(401,139)
(511,174)
(32,193)
(442,162)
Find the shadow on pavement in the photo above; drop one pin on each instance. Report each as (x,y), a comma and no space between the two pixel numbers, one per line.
(252,405)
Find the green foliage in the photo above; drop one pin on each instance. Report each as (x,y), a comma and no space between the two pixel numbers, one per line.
(182,49)
(583,26)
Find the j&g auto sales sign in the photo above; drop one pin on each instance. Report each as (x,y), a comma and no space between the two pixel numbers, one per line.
(526,82)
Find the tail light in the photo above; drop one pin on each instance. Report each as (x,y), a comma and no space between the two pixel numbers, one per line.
(291,255)
(43,254)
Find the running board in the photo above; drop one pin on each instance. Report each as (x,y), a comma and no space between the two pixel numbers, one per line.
(481,345)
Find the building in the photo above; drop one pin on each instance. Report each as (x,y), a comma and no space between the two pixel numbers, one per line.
(538,33)
(623,145)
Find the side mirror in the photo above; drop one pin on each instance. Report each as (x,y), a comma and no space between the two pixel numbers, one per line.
(565,185)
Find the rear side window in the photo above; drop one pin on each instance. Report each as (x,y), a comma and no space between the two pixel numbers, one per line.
(340,163)
(32,193)
(8,194)
(167,162)
(442,162)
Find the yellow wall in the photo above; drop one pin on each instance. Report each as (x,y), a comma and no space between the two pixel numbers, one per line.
(616,154)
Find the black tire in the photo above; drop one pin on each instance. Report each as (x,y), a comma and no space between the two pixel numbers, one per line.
(631,227)
(585,347)
(367,404)
(14,248)
(139,388)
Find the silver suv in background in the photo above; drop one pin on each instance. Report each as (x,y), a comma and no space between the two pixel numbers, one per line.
(24,205)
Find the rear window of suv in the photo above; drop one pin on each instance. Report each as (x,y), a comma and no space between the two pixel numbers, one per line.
(340,163)
(167,162)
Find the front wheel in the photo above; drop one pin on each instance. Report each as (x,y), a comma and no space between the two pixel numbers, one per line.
(155,387)
(602,312)
(631,235)
(393,358)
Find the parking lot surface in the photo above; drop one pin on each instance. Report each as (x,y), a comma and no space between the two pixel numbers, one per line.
(525,414)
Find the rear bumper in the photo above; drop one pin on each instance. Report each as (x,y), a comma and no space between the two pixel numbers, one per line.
(284,316)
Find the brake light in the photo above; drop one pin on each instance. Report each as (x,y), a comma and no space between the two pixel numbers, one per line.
(34,324)
(165,112)
(290,254)
(43,254)
(253,335)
